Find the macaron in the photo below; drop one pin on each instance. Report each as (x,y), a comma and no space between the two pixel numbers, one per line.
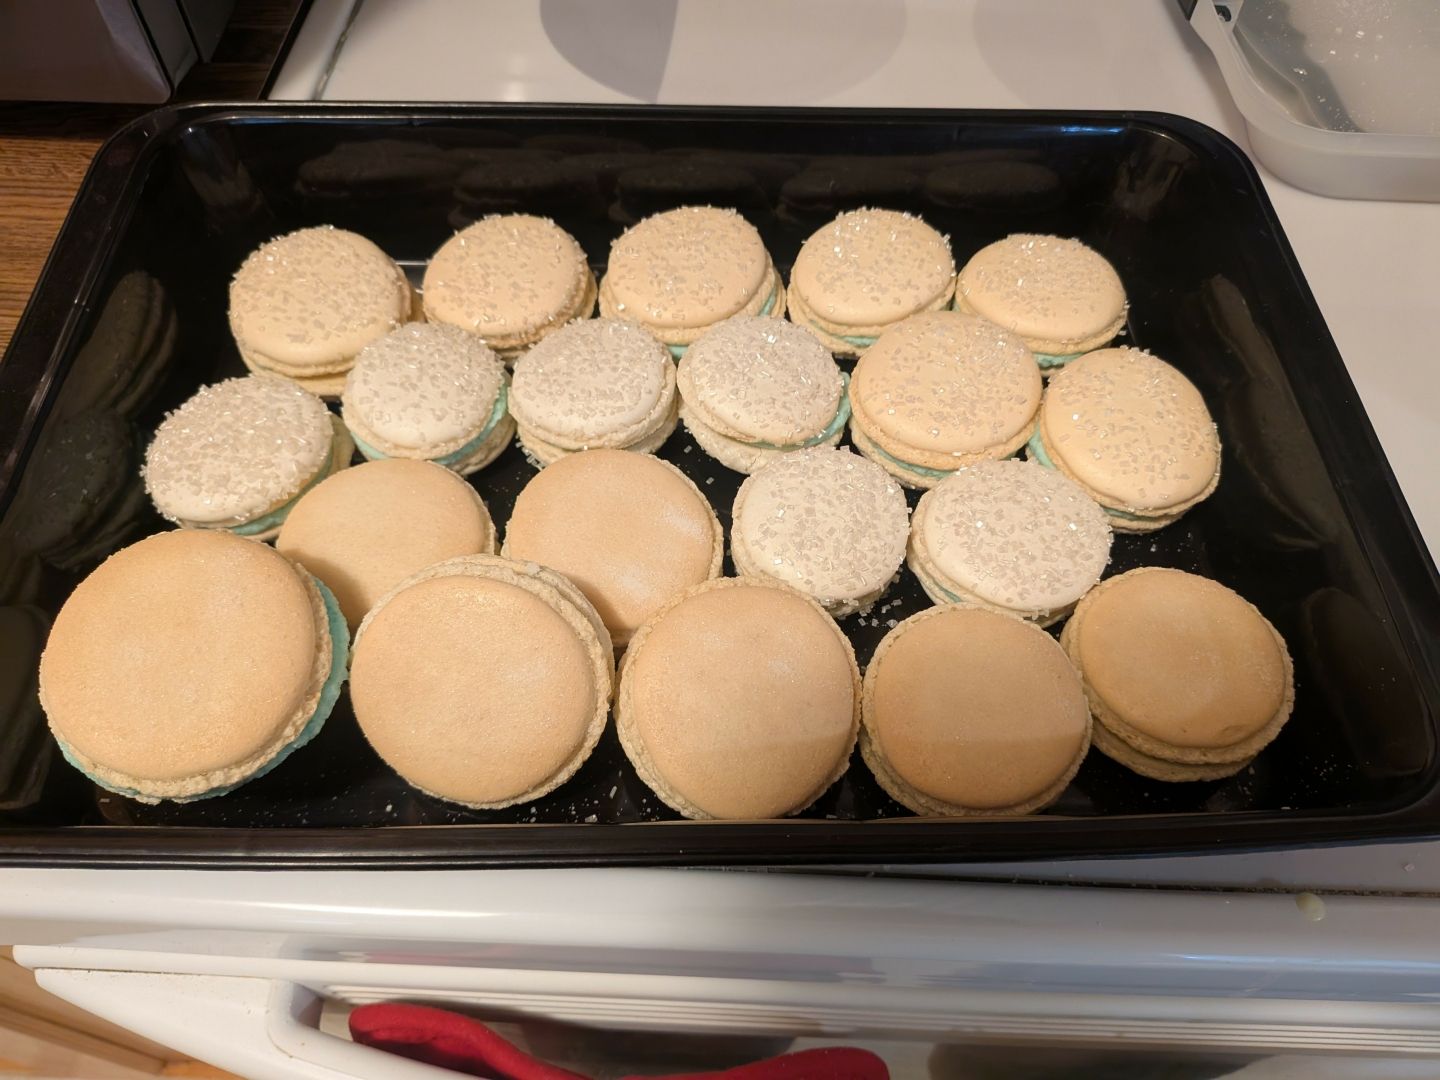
(739,700)
(630,530)
(511,279)
(239,453)
(681,272)
(824,521)
(866,271)
(753,389)
(1185,678)
(432,392)
(304,304)
(1134,433)
(596,383)
(483,681)
(940,391)
(190,663)
(365,530)
(970,713)
(1009,536)
(1061,296)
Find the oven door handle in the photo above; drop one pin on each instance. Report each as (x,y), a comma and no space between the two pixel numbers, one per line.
(251,1027)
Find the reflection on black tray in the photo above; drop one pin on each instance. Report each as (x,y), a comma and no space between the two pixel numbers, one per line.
(1211,290)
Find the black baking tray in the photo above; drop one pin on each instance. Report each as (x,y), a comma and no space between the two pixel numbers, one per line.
(1308,523)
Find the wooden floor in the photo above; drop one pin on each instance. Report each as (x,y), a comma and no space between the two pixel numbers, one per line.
(45,148)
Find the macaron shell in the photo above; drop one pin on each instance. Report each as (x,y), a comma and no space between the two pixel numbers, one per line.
(1058,294)
(510,278)
(871,268)
(364,530)
(600,382)
(184,662)
(969,711)
(237,449)
(630,530)
(1180,667)
(649,441)
(424,389)
(740,701)
(834,336)
(305,303)
(756,379)
(1014,534)
(685,268)
(827,522)
(1121,752)
(733,454)
(1133,430)
(482,681)
(943,390)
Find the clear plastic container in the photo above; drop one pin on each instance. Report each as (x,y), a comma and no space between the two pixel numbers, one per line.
(1340,97)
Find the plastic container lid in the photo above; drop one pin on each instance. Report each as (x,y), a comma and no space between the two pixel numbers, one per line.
(1340,97)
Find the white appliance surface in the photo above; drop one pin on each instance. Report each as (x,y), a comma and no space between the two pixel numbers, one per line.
(230,966)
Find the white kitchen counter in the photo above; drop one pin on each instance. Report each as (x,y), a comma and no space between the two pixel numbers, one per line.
(1374,267)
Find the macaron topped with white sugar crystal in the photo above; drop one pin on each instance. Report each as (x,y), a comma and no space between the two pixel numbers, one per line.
(430,392)
(239,453)
(1061,296)
(754,389)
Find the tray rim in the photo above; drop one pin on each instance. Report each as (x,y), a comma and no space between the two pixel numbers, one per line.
(1402,565)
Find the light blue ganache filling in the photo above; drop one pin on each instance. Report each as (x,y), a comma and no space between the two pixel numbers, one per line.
(502,402)
(275,518)
(329,694)
(1035,451)
(1054,360)
(836,425)
(918,470)
(858,339)
(677,351)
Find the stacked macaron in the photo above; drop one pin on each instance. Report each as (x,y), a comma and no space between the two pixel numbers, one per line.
(970,712)
(233,658)
(511,279)
(1010,536)
(753,389)
(597,383)
(431,392)
(364,530)
(866,271)
(305,304)
(1185,678)
(515,702)
(680,272)
(1060,296)
(630,530)
(1133,433)
(239,453)
(939,391)
(739,699)
(824,521)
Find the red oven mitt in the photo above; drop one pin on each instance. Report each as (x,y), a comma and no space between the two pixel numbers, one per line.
(467,1046)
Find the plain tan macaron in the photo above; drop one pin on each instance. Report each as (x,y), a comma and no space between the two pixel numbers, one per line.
(739,700)
(483,681)
(1134,433)
(187,663)
(365,530)
(304,304)
(630,530)
(1186,679)
(970,712)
